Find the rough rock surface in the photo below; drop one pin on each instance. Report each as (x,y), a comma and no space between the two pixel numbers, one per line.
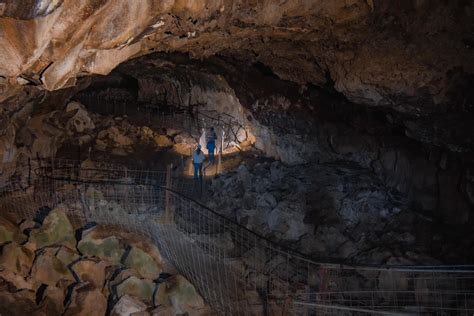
(10,232)
(108,248)
(86,300)
(333,212)
(49,269)
(143,264)
(56,230)
(58,280)
(177,292)
(393,54)
(127,305)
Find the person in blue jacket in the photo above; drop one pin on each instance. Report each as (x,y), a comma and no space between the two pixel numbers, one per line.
(211,144)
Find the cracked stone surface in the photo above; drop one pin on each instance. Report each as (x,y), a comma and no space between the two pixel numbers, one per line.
(412,56)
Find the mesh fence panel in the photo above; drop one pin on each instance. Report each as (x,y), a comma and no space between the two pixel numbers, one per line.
(237,271)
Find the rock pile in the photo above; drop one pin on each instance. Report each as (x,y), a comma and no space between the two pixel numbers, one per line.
(46,270)
(329,211)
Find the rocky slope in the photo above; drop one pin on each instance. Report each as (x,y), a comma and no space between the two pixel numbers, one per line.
(46,270)
(412,56)
(335,212)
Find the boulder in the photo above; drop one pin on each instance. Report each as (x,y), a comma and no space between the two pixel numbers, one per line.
(163,141)
(91,271)
(16,258)
(86,300)
(266,201)
(17,280)
(52,303)
(67,255)
(244,175)
(142,263)
(118,138)
(177,292)
(93,244)
(17,303)
(81,120)
(287,220)
(49,269)
(139,288)
(10,232)
(55,230)
(128,305)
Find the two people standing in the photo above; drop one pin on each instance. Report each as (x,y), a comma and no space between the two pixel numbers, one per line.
(198,155)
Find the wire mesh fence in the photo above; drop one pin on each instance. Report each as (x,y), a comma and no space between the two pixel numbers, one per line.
(237,271)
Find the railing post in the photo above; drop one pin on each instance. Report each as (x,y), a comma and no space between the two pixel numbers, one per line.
(168,211)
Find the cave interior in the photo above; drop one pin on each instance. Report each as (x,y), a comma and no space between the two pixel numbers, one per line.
(343,133)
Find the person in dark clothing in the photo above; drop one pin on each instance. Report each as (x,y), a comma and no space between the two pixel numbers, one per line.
(211,144)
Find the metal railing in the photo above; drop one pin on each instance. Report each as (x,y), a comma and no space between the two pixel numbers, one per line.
(237,271)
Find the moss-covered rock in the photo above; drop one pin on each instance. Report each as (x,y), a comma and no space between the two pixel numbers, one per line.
(109,248)
(55,230)
(176,291)
(139,288)
(67,255)
(142,263)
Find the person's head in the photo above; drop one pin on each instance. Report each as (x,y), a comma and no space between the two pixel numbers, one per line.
(198,148)
(212,129)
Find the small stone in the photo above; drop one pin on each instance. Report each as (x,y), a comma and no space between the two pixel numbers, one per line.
(86,301)
(176,291)
(17,280)
(52,303)
(118,138)
(16,258)
(128,305)
(10,232)
(55,230)
(163,141)
(94,244)
(67,255)
(142,263)
(139,288)
(90,271)
(81,121)
(18,303)
(48,269)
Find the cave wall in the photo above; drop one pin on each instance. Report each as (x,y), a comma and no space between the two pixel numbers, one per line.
(426,163)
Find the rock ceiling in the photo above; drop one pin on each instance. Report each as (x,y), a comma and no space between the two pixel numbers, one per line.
(412,55)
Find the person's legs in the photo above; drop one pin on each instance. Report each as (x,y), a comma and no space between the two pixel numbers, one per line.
(196,168)
(210,150)
(211,156)
(200,170)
